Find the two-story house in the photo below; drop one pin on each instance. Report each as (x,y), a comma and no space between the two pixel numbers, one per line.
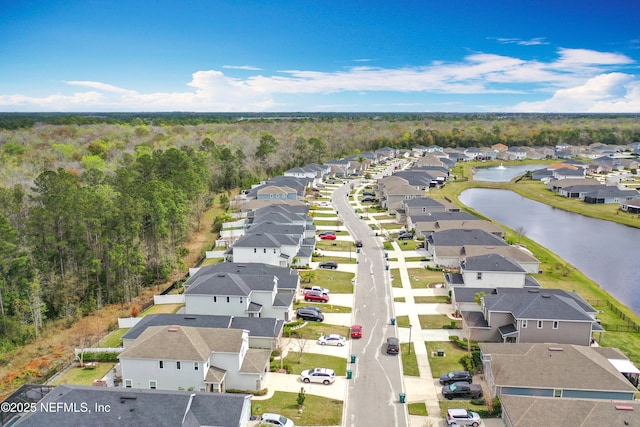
(445,245)
(200,359)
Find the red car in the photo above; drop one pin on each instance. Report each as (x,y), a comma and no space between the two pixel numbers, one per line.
(316,296)
(328,237)
(356,331)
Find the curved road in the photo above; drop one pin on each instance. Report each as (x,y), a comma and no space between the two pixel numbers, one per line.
(373,396)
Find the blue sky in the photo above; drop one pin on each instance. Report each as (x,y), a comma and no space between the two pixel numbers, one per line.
(320,56)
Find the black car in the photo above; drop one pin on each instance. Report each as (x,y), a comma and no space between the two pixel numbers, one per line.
(462,389)
(310,313)
(393,345)
(332,265)
(327,233)
(456,376)
(369,199)
(358,243)
(405,236)
(368,193)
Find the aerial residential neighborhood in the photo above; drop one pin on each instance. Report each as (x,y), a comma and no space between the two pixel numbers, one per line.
(241,315)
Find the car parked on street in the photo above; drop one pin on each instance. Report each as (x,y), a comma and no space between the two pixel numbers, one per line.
(332,265)
(310,313)
(462,389)
(356,331)
(393,345)
(318,375)
(455,376)
(316,296)
(332,339)
(463,417)
(359,243)
(268,419)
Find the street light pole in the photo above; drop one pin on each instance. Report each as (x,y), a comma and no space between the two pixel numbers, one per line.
(410,326)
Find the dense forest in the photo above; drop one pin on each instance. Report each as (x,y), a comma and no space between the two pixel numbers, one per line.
(95,207)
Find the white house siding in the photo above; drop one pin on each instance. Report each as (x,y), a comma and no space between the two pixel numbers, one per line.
(204,304)
(264,255)
(141,371)
(493,279)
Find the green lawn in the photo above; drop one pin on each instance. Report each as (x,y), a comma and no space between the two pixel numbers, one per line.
(391,226)
(211,261)
(312,330)
(114,339)
(162,308)
(332,222)
(435,321)
(402,321)
(451,360)
(399,299)
(460,403)
(326,308)
(396,282)
(408,245)
(313,360)
(84,376)
(317,410)
(338,282)
(337,245)
(409,360)
(430,300)
(418,408)
(338,259)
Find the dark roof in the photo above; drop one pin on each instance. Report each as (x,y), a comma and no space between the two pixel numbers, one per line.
(490,262)
(461,237)
(537,305)
(137,407)
(228,284)
(423,202)
(287,277)
(441,216)
(257,240)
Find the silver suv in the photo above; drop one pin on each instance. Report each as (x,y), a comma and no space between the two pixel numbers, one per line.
(463,417)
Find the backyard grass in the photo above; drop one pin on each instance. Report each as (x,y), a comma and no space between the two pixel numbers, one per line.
(430,299)
(211,261)
(313,330)
(326,308)
(312,360)
(162,308)
(114,339)
(84,376)
(418,408)
(338,282)
(437,321)
(317,410)
(409,360)
(451,360)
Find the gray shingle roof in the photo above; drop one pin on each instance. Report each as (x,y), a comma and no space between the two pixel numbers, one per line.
(257,240)
(490,262)
(457,237)
(287,277)
(160,408)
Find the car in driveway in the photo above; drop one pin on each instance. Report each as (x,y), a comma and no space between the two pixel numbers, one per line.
(268,419)
(310,313)
(332,265)
(393,345)
(356,331)
(332,339)
(316,296)
(456,376)
(463,417)
(328,237)
(369,199)
(462,389)
(405,236)
(318,375)
(320,289)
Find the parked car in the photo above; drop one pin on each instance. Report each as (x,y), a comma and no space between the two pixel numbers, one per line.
(359,243)
(318,375)
(328,237)
(405,236)
(393,345)
(356,331)
(369,199)
(268,419)
(320,289)
(463,417)
(455,376)
(368,193)
(332,339)
(316,296)
(310,313)
(326,233)
(328,264)
(462,389)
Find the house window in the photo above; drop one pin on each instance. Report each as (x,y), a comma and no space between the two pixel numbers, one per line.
(178,365)
(556,324)
(479,275)
(424,210)
(153,384)
(161,364)
(265,250)
(274,250)
(557,393)
(196,366)
(240,300)
(228,299)
(255,250)
(524,324)
(128,383)
(539,324)
(215,299)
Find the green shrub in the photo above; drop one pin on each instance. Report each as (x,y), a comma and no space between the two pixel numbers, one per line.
(100,357)
(261,392)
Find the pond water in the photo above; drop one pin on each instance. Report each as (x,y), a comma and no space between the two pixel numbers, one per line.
(503,173)
(604,251)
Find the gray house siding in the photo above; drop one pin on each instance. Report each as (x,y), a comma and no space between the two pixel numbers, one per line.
(567,332)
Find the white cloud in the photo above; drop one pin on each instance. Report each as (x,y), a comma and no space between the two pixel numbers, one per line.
(606,93)
(531,42)
(579,79)
(242,67)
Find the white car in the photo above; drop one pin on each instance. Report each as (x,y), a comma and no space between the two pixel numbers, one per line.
(320,289)
(318,375)
(332,339)
(462,417)
(275,420)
